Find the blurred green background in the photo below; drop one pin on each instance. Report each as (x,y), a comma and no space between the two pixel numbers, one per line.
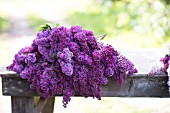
(134,23)
(128,23)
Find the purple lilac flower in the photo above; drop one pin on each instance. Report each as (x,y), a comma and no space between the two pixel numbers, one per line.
(109,71)
(67,68)
(30,58)
(165,61)
(18,68)
(76,29)
(84,58)
(65,55)
(20,57)
(160,68)
(64,61)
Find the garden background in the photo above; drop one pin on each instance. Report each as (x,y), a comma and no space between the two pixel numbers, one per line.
(129,24)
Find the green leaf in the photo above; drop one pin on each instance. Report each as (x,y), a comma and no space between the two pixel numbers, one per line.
(41,29)
(57,24)
(45,26)
(54,55)
(48,25)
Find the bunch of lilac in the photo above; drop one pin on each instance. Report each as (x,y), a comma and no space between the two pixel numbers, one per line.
(165,61)
(164,69)
(161,68)
(66,61)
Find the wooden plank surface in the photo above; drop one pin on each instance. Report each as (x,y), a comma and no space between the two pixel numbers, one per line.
(43,105)
(138,85)
(15,86)
(40,104)
(49,106)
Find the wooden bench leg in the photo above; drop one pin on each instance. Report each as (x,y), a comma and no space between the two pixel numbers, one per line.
(26,105)
(22,104)
(44,105)
(49,106)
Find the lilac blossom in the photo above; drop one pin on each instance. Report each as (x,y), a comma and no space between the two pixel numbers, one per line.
(161,67)
(64,61)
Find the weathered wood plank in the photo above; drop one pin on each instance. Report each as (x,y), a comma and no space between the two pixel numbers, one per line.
(40,104)
(15,86)
(22,104)
(49,106)
(139,85)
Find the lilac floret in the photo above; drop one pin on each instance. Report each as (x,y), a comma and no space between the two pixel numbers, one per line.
(66,55)
(18,68)
(30,58)
(109,71)
(76,29)
(20,58)
(83,58)
(67,68)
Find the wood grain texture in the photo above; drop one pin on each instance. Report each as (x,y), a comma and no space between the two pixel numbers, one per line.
(15,86)
(138,85)
(22,104)
(40,104)
(49,106)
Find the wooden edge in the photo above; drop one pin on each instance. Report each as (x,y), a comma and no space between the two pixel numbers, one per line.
(133,86)
(9,74)
(13,74)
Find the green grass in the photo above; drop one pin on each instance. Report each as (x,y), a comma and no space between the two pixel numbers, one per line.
(4,23)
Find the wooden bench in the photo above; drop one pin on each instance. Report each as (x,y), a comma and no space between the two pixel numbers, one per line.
(26,100)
